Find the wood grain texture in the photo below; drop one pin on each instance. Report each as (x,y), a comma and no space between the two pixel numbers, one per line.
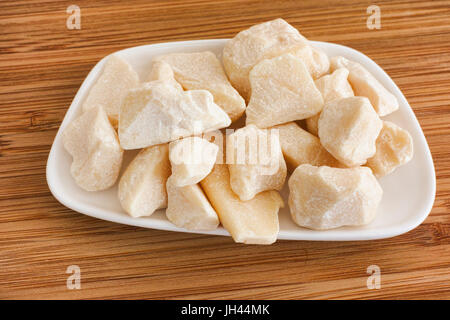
(42,65)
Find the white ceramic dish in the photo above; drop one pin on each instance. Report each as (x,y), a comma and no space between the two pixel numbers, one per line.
(408,192)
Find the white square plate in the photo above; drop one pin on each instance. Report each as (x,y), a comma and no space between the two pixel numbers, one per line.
(408,192)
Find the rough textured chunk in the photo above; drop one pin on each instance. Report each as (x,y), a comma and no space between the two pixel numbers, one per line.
(315,60)
(192,159)
(320,63)
(163,71)
(348,129)
(111,87)
(142,187)
(189,208)
(301,147)
(394,148)
(333,86)
(93,144)
(157,112)
(325,198)
(282,91)
(255,161)
(252,222)
(202,70)
(259,42)
(366,85)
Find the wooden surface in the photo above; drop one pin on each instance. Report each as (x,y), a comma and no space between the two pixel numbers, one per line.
(42,65)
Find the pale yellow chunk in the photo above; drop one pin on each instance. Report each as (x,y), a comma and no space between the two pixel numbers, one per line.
(263,41)
(366,85)
(282,91)
(93,144)
(192,159)
(320,63)
(157,112)
(142,187)
(252,222)
(348,129)
(394,149)
(202,70)
(189,208)
(255,161)
(163,71)
(301,147)
(324,198)
(111,87)
(315,60)
(333,86)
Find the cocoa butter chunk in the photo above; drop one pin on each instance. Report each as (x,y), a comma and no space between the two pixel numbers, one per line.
(325,198)
(142,187)
(331,86)
(255,161)
(202,70)
(348,129)
(394,148)
(158,112)
(189,208)
(95,149)
(192,159)
(254,221)
(111,87)
(301,147)
(251,46)
(366,85)
(282,91)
